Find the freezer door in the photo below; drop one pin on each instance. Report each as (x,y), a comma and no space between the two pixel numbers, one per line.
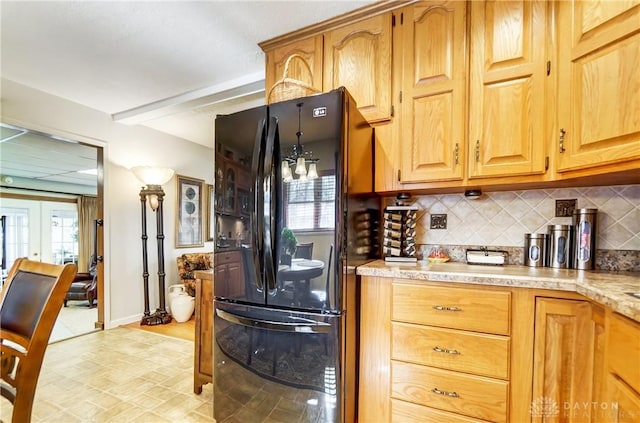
(271,357)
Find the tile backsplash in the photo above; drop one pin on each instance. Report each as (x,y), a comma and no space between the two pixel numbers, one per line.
(502,218)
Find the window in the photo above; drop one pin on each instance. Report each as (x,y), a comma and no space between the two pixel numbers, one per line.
(64,236)
(310,205)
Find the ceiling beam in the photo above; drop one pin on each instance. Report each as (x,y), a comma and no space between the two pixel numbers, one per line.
(215,94)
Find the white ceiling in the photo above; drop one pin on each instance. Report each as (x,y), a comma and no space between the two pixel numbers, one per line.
(170,65)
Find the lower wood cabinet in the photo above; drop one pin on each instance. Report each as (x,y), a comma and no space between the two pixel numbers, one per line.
(451,352)
(229,273)
(203,351)
(568,358)
(624,402)
(430,352)
(623,370)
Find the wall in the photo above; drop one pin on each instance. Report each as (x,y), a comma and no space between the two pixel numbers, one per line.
(500,219)
(125,147)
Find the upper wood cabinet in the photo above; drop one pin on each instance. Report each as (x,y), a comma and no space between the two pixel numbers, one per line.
(598,83)
(432,140)
(301,63)
(507,88)
(358,57)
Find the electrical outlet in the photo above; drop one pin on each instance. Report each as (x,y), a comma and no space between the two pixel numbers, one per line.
(438,221)
(565,208)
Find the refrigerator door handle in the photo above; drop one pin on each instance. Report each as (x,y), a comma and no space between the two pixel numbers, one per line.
(304,326)
(256,214)
(270,237)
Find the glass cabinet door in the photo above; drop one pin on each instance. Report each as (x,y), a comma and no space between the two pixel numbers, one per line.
(219,186)
(230,190)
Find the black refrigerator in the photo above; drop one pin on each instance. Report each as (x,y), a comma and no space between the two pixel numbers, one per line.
(295,215)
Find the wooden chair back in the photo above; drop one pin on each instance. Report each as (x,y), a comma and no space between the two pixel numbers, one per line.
(29,305)
(304,250)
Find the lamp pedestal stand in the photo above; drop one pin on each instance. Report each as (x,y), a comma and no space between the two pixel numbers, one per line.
(155,194)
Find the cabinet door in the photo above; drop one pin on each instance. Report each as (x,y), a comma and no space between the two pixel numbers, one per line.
(300,61)
(563,364)
(204,330)
(507,88)
(599,82)
(236,279)
(220,276)
(627,401)
(358,57)
(433,92)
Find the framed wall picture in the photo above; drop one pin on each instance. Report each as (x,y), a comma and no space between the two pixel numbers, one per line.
(189,213)
(211,216)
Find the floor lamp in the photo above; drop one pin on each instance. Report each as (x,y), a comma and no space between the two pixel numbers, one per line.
(153,178)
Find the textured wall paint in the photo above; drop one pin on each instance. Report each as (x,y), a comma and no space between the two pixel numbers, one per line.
(502,218)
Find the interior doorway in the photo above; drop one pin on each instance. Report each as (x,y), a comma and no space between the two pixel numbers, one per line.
(51,197)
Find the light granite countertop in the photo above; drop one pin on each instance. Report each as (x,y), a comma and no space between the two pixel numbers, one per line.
(607,288)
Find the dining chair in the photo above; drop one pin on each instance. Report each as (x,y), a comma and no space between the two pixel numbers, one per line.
(29,305)
(323,297)
(304,250)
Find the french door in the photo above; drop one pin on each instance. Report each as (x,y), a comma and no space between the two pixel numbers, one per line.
(40,230)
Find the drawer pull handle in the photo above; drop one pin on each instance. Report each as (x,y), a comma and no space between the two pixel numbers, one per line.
(445,350)
(446,308)
(445,393)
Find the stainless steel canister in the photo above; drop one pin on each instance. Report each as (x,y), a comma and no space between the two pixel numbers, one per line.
(584,221)
(535,250)
(560,246)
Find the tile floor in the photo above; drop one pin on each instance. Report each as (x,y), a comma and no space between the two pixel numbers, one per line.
(118,375)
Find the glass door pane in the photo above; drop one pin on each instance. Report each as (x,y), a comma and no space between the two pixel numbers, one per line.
(64,236)
(17,233)
(59,234)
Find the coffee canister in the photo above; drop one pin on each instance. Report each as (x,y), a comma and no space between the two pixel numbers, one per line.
(560,246)
(535,250)
(584,221)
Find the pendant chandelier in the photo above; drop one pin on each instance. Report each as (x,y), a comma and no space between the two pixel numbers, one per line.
(300,158)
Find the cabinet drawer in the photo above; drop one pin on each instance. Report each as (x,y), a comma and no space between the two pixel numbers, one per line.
(405,412)
(469,352)
(473,396)
(624,346)
(458,308)
(227,257)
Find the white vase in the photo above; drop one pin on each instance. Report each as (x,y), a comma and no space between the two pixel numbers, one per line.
(182,307)
(174,291)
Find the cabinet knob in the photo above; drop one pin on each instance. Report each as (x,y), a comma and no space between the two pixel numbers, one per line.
(562,133)
(477,150)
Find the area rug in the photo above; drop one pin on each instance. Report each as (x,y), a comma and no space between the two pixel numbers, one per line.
(301,360)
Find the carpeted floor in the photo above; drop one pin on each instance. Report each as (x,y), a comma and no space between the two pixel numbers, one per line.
(74,320)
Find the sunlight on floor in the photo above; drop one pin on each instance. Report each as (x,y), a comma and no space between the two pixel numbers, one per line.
(76,319)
